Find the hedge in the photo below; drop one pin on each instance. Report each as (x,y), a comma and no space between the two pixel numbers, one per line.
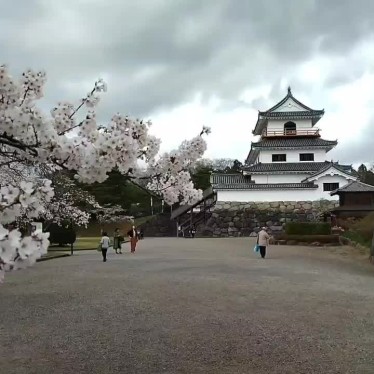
(61,235)
(308,228)
(310,238)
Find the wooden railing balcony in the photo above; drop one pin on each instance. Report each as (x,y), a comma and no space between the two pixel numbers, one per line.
(288,132)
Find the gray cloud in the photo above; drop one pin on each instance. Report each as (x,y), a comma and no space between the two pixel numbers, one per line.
(159,54)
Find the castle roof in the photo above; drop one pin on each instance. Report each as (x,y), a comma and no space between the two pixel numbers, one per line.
(294,167)
(289,108)
(288,143)
(354,186)
(240,182)
(345,169)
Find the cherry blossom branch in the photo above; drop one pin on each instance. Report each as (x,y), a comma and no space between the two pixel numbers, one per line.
(29,137)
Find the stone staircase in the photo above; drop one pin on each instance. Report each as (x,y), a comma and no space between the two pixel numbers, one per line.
(159,226)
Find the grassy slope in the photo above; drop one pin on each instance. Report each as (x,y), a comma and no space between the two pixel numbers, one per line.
(89,239)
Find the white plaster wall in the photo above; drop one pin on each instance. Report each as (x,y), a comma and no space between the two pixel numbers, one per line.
(278,178)
(285,195)
(293,155)
(275,195)
(330,179)
(290,106)
(278,125)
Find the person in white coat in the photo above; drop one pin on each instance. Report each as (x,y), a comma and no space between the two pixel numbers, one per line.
(105,243)
(263,241)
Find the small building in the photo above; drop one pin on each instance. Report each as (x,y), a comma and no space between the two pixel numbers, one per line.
(287,162)
(356,199)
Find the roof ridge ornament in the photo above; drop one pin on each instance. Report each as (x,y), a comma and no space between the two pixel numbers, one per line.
(289,90)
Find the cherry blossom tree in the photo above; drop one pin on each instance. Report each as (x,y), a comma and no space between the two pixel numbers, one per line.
(29,137)
(114,213)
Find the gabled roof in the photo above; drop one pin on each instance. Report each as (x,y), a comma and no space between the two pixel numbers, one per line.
(297,102)
(294,143)
(303,112)
(343,169)
(185,208)
(354,186)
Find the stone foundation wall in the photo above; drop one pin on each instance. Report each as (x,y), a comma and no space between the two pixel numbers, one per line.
(159,226)
(245,219)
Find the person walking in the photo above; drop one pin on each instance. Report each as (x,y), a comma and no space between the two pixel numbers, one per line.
(193,231)
(117,241)
(133,235)
(105,243)
(263,241)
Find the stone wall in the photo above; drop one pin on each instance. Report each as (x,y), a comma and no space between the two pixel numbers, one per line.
(159,226)
(244,219)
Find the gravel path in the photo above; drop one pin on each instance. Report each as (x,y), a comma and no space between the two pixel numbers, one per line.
(190,306)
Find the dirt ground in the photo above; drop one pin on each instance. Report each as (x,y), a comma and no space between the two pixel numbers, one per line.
(191,306)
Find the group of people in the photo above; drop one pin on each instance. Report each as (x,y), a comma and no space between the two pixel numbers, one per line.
(190,233)
(118,240)
(134,235)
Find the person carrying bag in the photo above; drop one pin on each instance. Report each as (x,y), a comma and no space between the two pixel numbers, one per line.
(256,248)
(262,242)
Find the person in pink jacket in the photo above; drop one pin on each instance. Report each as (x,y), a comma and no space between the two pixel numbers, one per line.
(263,241)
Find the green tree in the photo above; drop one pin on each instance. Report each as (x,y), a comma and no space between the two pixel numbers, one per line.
(365,175)
(362,170)
(201,176)
(117,189)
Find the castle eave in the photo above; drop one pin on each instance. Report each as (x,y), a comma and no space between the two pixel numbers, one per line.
(294,143)
(285,167)
(276,112)
(263,186)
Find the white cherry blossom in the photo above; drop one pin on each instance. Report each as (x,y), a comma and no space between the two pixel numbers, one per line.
(63,140)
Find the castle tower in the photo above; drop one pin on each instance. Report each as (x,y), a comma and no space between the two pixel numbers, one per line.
(288,161)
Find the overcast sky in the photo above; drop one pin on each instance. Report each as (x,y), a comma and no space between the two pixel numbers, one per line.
(189,63)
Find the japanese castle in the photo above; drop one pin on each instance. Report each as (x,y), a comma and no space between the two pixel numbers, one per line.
(287,162)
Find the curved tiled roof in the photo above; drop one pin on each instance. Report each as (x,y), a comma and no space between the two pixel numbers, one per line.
(241,182)
(346,169)
(295,167)
(265,186)
(315,115)
(292,115)
(294,143)
(236,178)
(274,167)
(354,186)
(288,96)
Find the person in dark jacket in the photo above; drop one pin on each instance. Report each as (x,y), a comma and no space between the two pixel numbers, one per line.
(117,241)
(133,235)
(193,231)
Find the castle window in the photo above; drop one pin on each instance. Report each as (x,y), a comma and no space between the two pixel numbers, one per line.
(290,128)
(279,157)
(306,156)
(330,186)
